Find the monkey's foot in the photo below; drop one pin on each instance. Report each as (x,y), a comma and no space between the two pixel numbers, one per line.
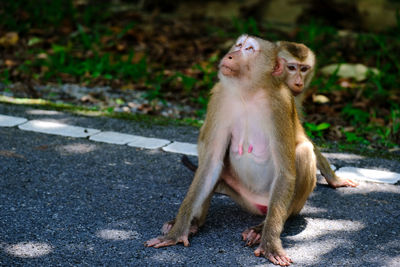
(341,182)
(275,257)
(252,235)
(194,227)
(162,241)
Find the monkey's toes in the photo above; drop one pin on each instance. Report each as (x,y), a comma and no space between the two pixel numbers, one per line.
(251,237)
(152,242)
(342,183)
(275,258)
(159,242)
(167,227)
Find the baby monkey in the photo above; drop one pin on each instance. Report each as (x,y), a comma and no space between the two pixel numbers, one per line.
(251,147)
(299,62)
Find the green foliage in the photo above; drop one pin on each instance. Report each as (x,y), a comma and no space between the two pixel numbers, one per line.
(21,15)
(316,35)
(313,130)
(355,115)
(87,52)
(355,139)
(5,77)
(248,26)
(106,66)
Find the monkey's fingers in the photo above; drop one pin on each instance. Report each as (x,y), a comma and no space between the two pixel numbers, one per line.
(282,260)
(153,242)
(279,260)
(160,242)
(340,182)
(167,227)
(251,237)
(193,229)
(351,183)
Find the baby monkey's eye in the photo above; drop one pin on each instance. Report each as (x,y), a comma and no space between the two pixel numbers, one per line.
(238,45)
(304,68)
(291,67)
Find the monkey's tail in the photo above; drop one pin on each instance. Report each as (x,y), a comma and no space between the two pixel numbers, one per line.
(188,163)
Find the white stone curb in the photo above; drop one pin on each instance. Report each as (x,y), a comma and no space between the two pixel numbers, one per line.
(368,175)
(57,128)
(182,148)
(148,143)
(10,121)
(110,137)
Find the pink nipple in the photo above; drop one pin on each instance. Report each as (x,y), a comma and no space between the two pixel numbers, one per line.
(240,149)
(250,148)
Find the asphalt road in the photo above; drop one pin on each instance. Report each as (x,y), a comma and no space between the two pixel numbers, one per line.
(73,202)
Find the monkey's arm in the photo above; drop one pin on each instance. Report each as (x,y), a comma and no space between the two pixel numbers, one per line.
(212,147)
(279,209)
(333,180)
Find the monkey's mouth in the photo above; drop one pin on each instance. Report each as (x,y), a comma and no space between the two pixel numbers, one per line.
(228,71)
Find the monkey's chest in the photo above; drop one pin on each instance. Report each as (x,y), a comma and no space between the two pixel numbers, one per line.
(249,140)
(250,156)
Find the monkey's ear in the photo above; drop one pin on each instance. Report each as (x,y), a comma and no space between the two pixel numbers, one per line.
(279,67)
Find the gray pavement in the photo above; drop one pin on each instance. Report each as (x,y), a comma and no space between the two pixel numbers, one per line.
(74,202)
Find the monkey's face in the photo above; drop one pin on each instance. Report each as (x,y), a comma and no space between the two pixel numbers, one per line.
(240,58)
(296,75)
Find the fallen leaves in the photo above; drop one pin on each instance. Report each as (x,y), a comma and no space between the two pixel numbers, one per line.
(11,154)
(9,39)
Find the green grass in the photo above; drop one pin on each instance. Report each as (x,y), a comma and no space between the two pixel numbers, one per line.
(87,54)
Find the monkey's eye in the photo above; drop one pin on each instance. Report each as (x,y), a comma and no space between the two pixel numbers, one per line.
(238,45)
(250,48)
(304,68)
(291,67)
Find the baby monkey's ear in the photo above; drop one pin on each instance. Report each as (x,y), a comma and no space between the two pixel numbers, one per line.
(279,67)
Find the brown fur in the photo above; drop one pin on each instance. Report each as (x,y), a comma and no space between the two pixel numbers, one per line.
(299,51)
(301,54)
(294,170)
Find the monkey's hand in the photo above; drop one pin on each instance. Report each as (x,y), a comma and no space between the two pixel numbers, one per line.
(194,227)
(340,182)
(252,235)
(165,241)
(276,256)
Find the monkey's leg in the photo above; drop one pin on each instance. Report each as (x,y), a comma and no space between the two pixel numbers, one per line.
(333,180)
(305,175)
(305,183)
(196,222)
(252,235)
(193,206)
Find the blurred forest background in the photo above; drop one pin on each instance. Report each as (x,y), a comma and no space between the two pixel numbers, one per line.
(124,58)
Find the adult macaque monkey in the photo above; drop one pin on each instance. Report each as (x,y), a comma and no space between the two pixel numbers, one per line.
(300,62)
(299,67)
(252,147)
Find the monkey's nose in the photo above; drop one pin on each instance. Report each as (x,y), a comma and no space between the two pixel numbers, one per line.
(299,85)
(230,57)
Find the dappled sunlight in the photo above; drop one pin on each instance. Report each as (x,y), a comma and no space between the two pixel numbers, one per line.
(317,227)
(47,125)
(313,252)
(376,176)
(28,249)
(344,156)
(313,210)
(168,257)
(77,148)
(117,235)
(43,112)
